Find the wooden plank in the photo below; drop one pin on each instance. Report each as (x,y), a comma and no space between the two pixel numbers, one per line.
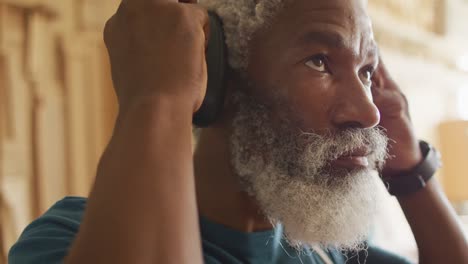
(8,233)
(40,50)
(3,104)
(16,164)
(77,119)
(3,249)
(13,36)
(44,6)
(49,140)
(49,154)
(22,3)
(454,149)
(6,112)
(34,47)
(2,140)
(3,26)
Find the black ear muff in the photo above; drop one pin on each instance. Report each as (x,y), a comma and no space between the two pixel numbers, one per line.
(213,103)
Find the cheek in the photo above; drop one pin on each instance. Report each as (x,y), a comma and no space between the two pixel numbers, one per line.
(311,100)
(306,96)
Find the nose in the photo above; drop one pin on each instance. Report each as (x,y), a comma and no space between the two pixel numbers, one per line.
(354,107)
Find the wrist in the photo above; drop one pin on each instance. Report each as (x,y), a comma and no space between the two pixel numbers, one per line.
(143,112)
(181,105)
(411,181)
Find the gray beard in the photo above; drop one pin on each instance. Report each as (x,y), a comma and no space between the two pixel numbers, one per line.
(287,172)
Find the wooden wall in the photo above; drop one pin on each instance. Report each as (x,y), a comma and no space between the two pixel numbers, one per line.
(57,106)
(454,146)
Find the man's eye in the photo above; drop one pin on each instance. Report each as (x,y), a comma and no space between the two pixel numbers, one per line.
(317,63)
(367,74)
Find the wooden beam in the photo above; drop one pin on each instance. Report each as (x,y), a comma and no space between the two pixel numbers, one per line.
(3,29)
(77,119)
(22,3)
(2,139)
(453,137)
(6,115)
(43,6)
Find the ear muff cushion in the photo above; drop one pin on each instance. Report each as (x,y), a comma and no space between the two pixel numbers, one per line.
(216,65)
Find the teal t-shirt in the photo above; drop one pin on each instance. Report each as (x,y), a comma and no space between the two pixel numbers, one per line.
(47,240)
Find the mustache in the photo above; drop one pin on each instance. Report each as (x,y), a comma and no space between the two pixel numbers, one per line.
(334,144)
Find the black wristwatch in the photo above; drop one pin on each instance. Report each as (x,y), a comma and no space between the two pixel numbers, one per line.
(414,180)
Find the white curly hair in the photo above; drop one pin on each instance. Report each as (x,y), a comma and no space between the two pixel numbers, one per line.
(241,19)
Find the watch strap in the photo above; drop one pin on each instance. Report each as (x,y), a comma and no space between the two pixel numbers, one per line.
(416,179)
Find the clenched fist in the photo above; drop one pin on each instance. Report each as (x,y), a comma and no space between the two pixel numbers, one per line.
(157,49)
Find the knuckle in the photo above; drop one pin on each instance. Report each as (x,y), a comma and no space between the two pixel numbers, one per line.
(108,29)
(201,13)
(187,23)
(127,15)
(129,11)
(180,13)
(186,12)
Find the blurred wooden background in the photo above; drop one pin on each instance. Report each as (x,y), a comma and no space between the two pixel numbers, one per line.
(57,106)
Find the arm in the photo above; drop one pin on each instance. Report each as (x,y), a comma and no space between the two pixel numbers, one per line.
(433,222)
(143,200)
(142,208)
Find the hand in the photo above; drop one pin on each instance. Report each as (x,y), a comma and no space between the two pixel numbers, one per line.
(157,49)
(404,149)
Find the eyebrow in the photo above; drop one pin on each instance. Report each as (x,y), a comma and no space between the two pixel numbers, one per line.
(325,38)
(332,39)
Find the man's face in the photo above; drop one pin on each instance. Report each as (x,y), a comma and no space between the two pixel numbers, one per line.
(304,141)
(318,56)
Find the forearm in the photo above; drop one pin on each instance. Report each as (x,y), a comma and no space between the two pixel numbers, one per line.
(142,208)
(433,222)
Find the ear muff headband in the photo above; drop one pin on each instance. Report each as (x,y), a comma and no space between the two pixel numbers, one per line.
(213,102)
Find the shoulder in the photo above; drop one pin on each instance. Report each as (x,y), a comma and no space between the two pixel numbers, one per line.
(48,238)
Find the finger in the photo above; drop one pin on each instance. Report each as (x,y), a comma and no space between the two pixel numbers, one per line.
(382,68)
(383,79)
(377,80)
(202,15)
(382,63)
(375,90)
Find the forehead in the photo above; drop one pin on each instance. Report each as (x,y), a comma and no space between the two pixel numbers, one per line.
(336,23)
